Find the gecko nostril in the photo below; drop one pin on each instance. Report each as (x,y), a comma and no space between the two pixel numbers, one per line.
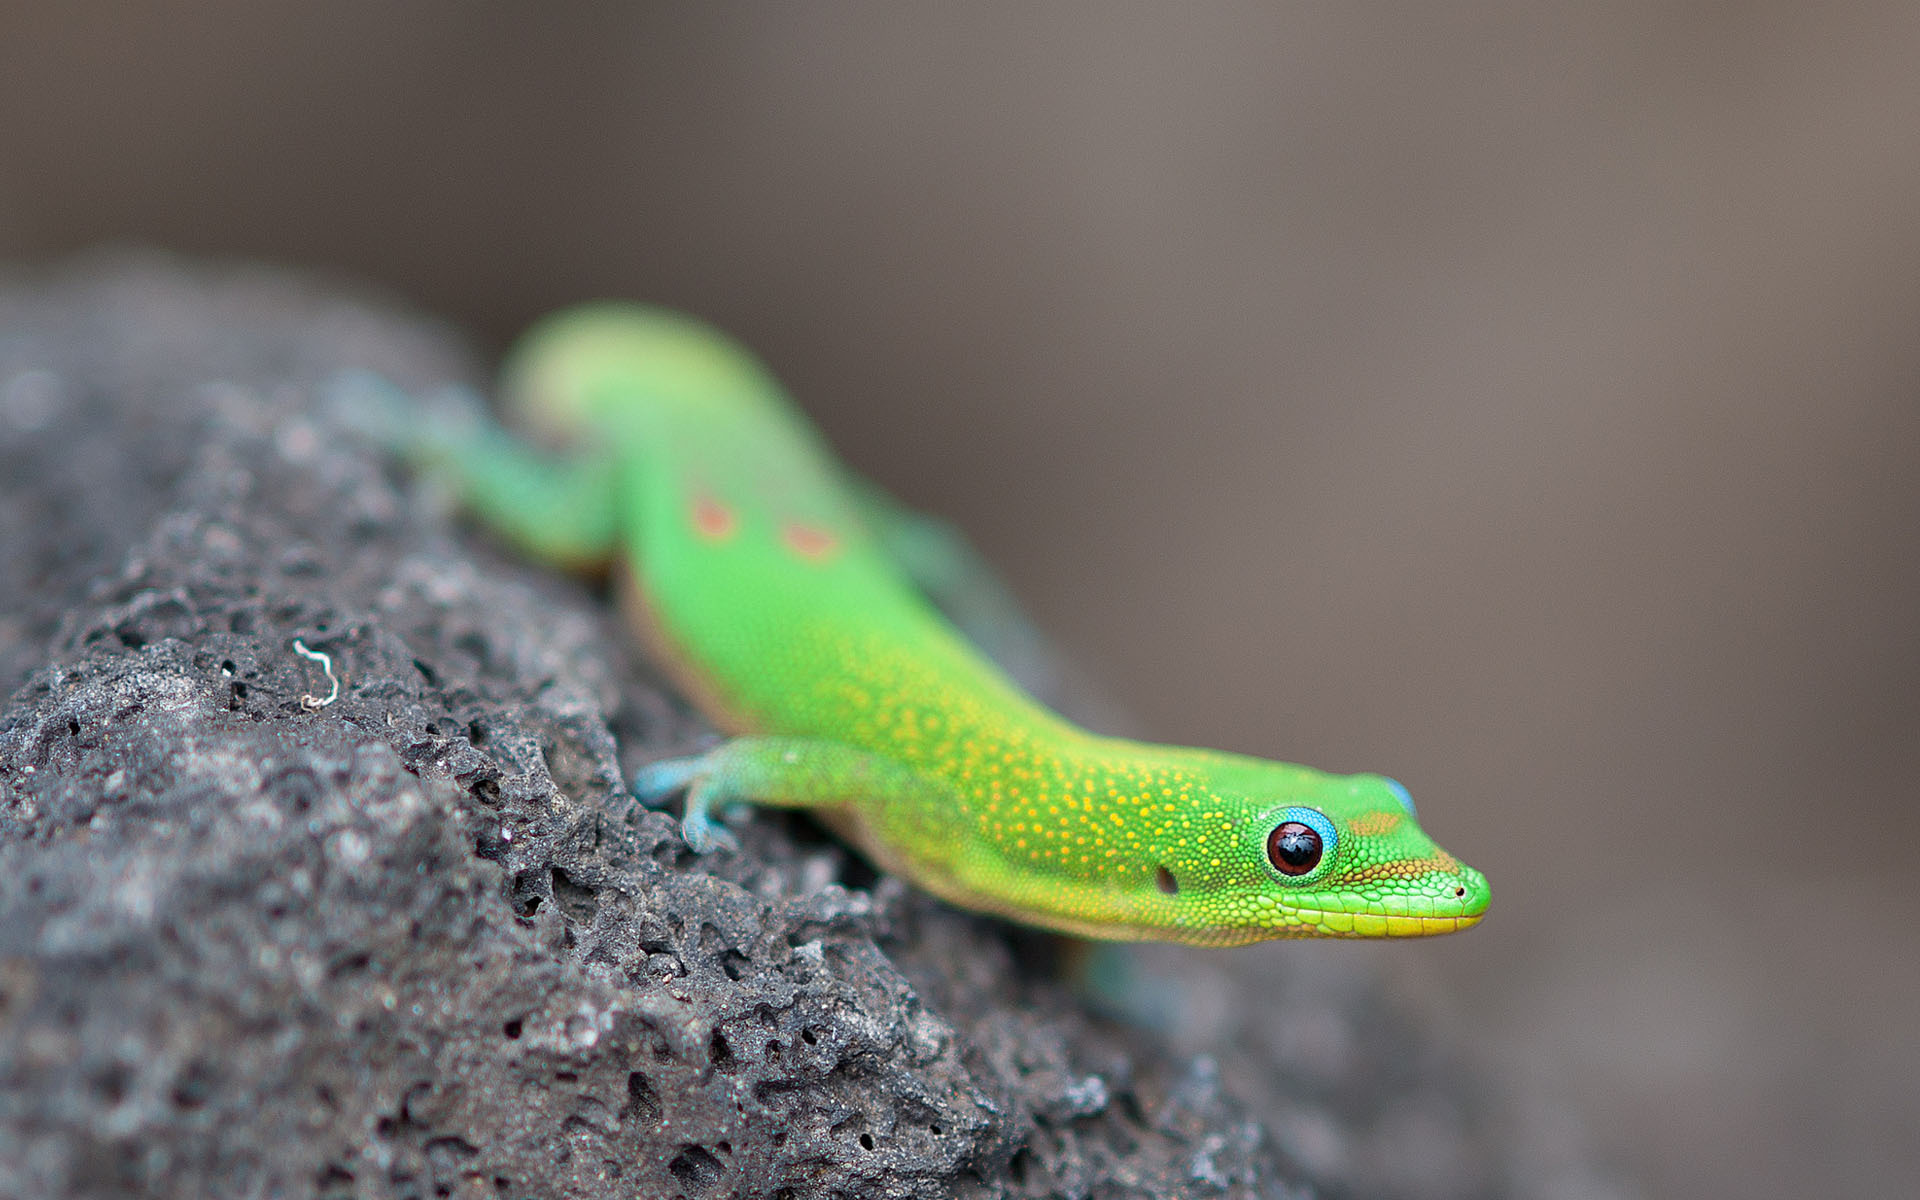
(1459,892)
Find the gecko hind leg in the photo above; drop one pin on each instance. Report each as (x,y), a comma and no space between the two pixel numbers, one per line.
(558,508)
(944,565)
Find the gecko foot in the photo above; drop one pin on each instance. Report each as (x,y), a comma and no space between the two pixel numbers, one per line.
(1108,977)
(655,782)
(703,834)
(425,427)
(372,407)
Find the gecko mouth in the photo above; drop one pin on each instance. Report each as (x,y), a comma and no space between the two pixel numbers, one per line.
(1375,925)
(1391,914)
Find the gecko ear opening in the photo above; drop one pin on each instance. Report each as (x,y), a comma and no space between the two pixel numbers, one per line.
(1164,880)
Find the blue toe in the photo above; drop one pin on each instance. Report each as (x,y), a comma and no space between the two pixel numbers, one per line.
(704,835)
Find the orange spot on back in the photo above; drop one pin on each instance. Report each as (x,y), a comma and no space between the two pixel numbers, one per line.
(809,542)
(711,519)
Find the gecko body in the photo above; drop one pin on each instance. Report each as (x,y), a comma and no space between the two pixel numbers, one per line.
(788,598)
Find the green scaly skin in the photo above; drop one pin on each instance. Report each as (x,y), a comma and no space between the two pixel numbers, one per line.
(771,582)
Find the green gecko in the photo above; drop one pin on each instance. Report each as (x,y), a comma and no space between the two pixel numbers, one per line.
(791,601)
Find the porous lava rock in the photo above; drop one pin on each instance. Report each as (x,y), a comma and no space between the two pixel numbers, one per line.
(413,938)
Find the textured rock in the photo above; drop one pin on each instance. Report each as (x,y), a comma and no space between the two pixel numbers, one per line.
(419,941)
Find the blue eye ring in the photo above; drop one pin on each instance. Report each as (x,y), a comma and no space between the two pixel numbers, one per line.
(1400,793)
(1300,843)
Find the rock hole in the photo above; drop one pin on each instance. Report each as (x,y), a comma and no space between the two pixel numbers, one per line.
(578,900)
(1017,1166)
(333,1176)
(719,1053)
(352,964)
(474,644)
(451,1149)
(194,1086)
(696,1168)
(643,1103)
(767,1089)
(866,1141)
(512,1029)
(113,1083)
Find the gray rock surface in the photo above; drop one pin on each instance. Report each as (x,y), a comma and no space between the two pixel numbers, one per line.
(420,942)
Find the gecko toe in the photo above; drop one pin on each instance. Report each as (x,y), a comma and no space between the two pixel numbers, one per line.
(704,835)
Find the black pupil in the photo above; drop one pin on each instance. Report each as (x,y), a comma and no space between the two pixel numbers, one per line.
(1293,848)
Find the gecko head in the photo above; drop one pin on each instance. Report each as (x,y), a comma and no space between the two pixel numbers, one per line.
(1343,857)
(579,366)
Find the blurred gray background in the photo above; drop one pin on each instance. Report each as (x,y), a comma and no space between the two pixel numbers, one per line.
(1522,402)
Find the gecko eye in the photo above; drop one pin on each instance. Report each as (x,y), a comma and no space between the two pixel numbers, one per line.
(1300,841)
(1293,848)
